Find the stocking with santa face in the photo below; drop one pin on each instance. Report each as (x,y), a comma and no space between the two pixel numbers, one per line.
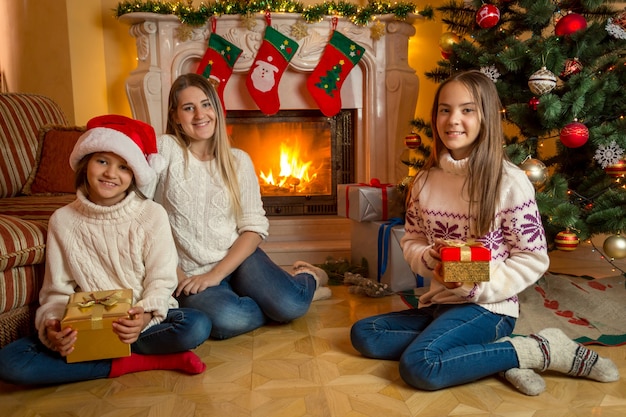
(269,65)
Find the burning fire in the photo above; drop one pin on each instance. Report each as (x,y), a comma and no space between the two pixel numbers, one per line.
(294,175)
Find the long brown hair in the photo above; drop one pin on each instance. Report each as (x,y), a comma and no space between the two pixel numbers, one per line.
(487,157)
(220,145)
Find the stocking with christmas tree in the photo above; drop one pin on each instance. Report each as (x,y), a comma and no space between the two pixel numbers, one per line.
(340,56)
(217,63)
(271,61)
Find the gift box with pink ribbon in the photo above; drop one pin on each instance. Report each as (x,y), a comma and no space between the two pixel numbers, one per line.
(465,262)
(369,202)
(92,314)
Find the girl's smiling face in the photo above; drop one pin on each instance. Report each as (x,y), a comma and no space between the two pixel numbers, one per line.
(458,119)
(195,114)
(108,178)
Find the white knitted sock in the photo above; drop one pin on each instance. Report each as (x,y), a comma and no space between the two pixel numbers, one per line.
(322,291)
(527,381)
(551,349)
(574,359)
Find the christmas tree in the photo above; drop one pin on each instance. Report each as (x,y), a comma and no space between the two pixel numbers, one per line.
(559,67)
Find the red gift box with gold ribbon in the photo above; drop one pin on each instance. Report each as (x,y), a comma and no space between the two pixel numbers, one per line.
(465,262)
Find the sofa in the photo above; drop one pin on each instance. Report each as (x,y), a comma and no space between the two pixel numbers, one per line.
(35,180)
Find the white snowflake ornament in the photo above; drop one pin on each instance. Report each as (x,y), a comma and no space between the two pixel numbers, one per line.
(491,72)
(608,155)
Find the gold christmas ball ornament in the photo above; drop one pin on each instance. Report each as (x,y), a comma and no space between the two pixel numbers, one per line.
(536,171)
(447,41)
(615,246)
(566,241)
(542,81)
(617,170)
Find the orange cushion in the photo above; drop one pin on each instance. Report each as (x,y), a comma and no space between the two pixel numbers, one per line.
(52,173)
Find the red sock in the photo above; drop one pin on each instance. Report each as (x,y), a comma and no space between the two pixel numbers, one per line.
(187,362)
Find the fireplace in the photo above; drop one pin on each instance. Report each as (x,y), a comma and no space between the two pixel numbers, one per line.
(300,157)
(381,90)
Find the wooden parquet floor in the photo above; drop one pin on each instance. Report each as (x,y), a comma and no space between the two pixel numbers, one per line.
(309,368)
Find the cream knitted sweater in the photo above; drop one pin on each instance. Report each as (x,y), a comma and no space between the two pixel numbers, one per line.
(97,248)
(200,212)
(518,246)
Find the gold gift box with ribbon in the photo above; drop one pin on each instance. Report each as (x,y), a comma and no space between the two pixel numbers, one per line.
(465,262)
(92,314)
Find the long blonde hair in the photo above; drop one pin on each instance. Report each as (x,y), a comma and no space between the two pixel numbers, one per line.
(487,157)
(220,145)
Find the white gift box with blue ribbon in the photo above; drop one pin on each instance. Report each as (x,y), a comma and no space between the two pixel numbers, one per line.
(378,242)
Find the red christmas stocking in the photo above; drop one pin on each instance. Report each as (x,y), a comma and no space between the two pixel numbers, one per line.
(217,63)
(271,61)
(339,57)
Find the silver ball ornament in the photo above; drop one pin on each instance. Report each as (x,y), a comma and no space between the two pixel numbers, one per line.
(615,246)
(536,171)
(542,81)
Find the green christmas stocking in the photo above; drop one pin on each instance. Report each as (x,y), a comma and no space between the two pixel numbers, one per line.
(217,63)
(339,57)
(271,61)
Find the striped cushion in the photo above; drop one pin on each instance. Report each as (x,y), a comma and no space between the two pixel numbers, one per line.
(38,208)
(21,116)
(20,286)
(22,242)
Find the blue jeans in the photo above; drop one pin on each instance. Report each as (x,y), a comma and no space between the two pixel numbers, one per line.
(258,291)
(28,362)
(439,346)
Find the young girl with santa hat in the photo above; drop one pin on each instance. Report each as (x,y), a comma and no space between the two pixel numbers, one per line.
(111,237)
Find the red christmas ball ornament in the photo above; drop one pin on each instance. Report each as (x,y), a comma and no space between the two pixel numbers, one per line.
(574,135)
(446,55)
(617,170)
(571,67)
(487,16)
(566,241)
(533,103)
(570,23)
(412,141)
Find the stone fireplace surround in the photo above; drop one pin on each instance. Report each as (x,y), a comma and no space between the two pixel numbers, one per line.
(382,89)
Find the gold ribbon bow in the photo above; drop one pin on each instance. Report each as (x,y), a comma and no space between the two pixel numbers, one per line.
(99,305)
(466,251)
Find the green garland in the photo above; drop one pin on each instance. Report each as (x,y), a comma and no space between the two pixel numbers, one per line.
(192,16)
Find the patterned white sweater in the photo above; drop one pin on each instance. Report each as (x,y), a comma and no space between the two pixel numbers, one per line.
(97,248)
(200,212)
(518,246)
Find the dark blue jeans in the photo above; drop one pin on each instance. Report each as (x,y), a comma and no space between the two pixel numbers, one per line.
(258,291)
(439,346)
(28,362)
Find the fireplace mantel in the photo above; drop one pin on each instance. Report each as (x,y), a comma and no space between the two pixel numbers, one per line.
(382,88)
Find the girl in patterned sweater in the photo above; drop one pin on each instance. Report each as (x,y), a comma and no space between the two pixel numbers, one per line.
(468,190)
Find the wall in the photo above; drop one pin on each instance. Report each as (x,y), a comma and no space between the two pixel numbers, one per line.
(76,52)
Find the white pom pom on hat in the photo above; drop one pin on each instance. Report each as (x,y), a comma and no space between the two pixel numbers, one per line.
(131,139)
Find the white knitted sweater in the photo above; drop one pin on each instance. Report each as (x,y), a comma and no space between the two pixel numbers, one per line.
(200,212)
(96,248)
(517,242)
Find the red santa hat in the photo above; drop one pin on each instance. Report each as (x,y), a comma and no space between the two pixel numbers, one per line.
(133,140)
